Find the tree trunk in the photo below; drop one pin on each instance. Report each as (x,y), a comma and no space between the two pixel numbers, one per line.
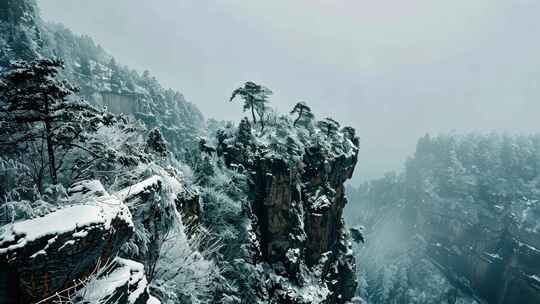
(298,118)
(50,150)
(261,118)
(253,114)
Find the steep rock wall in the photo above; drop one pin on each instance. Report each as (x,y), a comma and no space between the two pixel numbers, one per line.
(297,205)
(497,258)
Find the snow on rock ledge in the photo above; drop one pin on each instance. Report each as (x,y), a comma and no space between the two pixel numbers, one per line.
(135,190)
(125,284)
(46,254)
(187,199)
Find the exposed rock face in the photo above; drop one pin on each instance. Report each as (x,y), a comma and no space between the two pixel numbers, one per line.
(42,256)
(190,204)
(298,208)
(307,200)
(119,103)
(482,253)
(497,258)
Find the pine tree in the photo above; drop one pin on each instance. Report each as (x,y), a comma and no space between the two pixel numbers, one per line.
(116,77)
(305,116)
(85,69)
(329,126)
(34,108)
(349,132)
(244,132)
(156,143)
(255,99)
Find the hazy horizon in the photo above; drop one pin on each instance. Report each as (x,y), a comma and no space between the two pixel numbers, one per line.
(392,70)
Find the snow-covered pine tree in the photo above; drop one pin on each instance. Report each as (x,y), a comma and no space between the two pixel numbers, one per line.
(305,116)
(329,126)
(36,113)
(255,98)
(156,143)
(115,77)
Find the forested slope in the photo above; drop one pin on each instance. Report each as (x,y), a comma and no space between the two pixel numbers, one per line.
(460,223)
(101,79)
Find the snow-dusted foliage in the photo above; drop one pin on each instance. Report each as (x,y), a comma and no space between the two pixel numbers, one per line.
(461,198)
(282,139)
(178,259)
(153,202)
(185,271)
(107,284)
(19,25)
(226,218)
(102,81)
(110,153)
(105,82)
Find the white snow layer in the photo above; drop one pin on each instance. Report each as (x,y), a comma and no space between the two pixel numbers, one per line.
(96,211)
(131,191)
(128,272)
(153,300)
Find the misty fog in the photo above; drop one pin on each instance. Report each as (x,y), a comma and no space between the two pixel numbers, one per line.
(394,70)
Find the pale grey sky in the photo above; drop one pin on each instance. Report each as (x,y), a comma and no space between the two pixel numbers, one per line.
(395,70)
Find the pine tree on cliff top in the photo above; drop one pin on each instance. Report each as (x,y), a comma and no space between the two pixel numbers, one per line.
(255,98)
(305,116)
(329,126)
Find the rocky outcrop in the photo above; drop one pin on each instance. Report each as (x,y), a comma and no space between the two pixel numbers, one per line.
(157,203)
(297,206)
(40,257)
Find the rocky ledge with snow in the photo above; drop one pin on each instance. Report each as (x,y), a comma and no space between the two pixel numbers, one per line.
(42,256)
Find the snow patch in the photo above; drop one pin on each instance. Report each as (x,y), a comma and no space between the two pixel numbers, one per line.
(532,248)
(495,256)
(96,211)
(136,189)
(153,300)
(126,273)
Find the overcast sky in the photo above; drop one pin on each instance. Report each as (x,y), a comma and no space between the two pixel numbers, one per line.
(394,70)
